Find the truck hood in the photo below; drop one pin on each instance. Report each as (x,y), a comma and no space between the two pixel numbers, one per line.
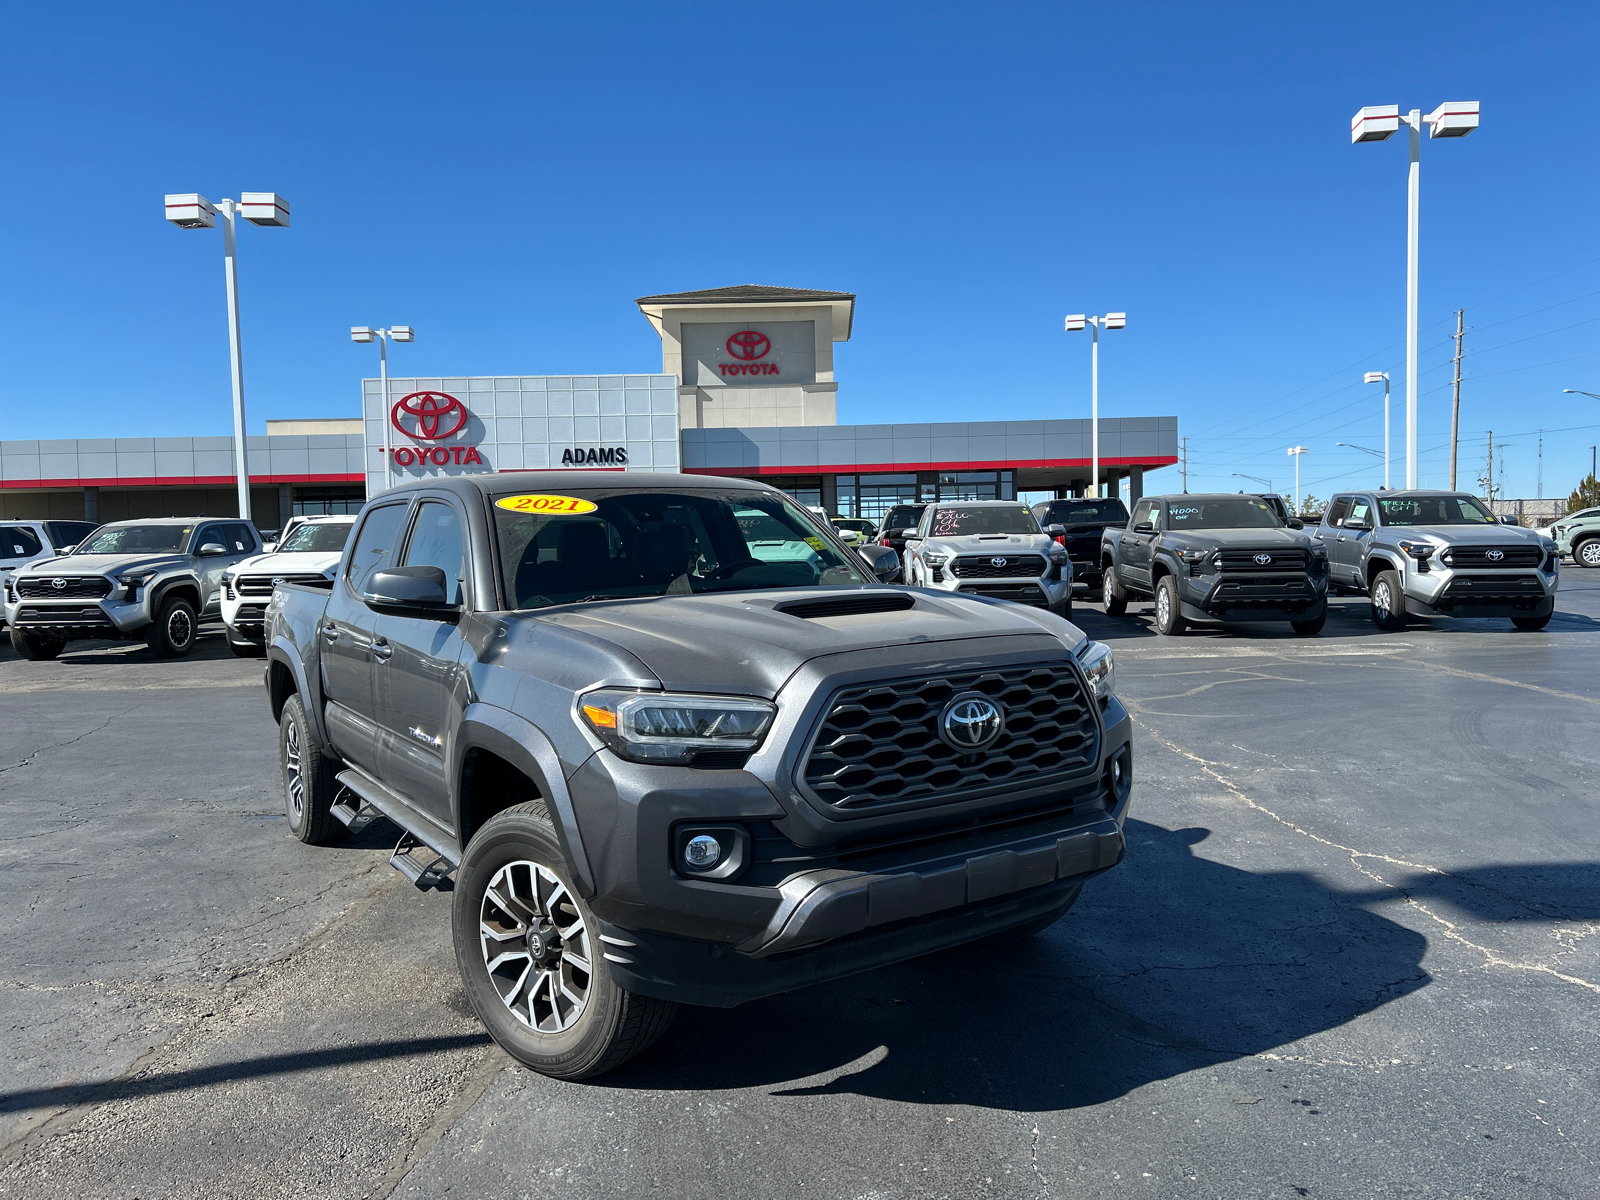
(991,543)
(300,562)
(102,564)
(1464,535)
(1241,538)
(739,643)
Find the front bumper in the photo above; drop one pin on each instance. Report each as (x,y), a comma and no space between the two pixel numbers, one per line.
(1249,596)
(804,914)
(1508,592)
(108,618)
(246,618)
(1033,590)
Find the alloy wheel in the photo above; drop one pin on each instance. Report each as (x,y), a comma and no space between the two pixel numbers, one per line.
(294,785)
(180,629)
(1589,553)
(536,946)
(1163,609)
(1382,601)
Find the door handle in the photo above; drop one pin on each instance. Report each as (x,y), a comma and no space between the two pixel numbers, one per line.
(381,650)
(330,633)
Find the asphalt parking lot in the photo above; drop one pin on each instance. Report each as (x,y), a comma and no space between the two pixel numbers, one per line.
(1351,953)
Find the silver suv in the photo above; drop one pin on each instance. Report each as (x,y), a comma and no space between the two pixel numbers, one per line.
(152,580)
(991,548)
(23,542)
(1437,554)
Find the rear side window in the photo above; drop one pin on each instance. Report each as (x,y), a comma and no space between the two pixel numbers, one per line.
(1337,511)
(240,539)
(375,544)
(436,542)
(17,542)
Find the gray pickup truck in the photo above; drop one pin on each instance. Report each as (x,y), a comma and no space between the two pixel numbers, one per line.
(670,758)
(151,580)
(1215,558)
(1428,553)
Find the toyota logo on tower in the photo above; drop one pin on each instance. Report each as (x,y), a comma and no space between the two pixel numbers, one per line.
(434,416)
(749,344)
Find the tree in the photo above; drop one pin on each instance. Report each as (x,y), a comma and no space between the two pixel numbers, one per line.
(1585,495)
(1310,506)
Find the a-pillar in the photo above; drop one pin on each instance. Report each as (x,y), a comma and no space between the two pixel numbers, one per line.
(285,504)
(1135,485)
(91,504)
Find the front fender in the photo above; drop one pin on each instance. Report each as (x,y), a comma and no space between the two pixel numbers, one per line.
(159,592)
(523,745)
(1389,558)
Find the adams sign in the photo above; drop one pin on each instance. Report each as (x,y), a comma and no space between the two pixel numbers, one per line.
(594,456)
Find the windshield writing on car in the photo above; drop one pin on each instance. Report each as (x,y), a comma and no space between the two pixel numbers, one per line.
(1435,510)
(967,522)
(136,539)
(635,544)
(323,539)
(1110,512)
(1232,512)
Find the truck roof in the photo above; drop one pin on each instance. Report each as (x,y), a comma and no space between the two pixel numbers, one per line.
(505,482)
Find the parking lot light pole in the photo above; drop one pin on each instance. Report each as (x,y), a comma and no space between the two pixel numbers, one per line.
(1378,123)
(1295,452)
(1383,378)
(1577,392)
(397,333)
(1076,322)
(190,210)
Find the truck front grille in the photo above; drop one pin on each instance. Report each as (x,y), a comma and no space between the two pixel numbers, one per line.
(1017,593)
(261,585)
(1278,559)
(1510,556)
(879,743)
(1264,592)
(32,617)
(1467,591)
(998,566)
(74,587)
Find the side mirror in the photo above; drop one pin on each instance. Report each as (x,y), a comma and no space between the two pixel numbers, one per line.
(410,592)
(1296,523)
(66,550)
(268,547)
(1355,523)
(902,534)
(212,549)
(1144,527)
(849,536)
(1509,521)
(1055,530)
(882,561)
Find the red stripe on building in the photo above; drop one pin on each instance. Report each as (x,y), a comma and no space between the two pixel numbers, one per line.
(907,468)
(177,481)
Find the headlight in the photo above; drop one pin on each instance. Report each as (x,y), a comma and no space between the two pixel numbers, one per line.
(935,560)
(1058,554)
(661,727)
(1192,556)
(1095,659)
(136,578)
(1421,551)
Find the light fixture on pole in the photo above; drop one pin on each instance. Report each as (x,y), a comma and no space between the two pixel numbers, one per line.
(1376,124)
(1295,452)
(1075,323)
(1363,449)
(1256,478)
(395,333)
(1576,392)
(190,210)
(1383,378)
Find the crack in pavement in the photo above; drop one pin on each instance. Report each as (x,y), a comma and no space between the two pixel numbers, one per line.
(56,746)
(1448,928)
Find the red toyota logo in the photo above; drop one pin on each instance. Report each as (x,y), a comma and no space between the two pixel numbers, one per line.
(436,415)
(749,344)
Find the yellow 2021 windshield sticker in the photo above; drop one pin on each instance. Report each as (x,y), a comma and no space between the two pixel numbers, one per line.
(547,506)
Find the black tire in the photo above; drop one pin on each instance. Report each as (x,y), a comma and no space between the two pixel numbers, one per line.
(308,771)
(246,649)
(1116,600)
(34,647)
(610,1024)
(1587,552)
(1312,627)
(1388,602)
(1169,614)
(1035,927)
(172,633)
(1532,624)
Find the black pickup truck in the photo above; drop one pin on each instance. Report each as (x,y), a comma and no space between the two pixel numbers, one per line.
(1216,558)
(1084,522)
(677,744)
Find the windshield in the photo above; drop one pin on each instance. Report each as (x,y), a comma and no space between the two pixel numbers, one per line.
(966,522)
(1436,510)
(1083,512)
(134,539)
(16,541)
(597,544)
(903,516)
(1230,512)
(327,538)
(854,523)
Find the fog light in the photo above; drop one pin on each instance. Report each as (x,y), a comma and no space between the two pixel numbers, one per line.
(702,851)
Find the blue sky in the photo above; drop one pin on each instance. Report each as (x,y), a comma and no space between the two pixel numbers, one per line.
(508,177)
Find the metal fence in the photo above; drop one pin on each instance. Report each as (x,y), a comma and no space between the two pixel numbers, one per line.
(1535,514)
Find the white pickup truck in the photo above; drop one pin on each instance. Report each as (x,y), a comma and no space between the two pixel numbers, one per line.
(308,554)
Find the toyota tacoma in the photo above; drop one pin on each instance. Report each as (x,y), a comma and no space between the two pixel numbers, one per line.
(663,768)
(1215,558)
(307,555)
(991,548)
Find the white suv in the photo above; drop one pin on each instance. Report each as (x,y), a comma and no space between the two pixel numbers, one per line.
(991,548)
(23,542)
(308,554)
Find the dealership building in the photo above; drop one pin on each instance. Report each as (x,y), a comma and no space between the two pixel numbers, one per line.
(747,388)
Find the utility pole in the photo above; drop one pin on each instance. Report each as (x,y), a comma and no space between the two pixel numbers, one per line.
(1185,467)
(1488,470)
(1455,404)
(1541,464)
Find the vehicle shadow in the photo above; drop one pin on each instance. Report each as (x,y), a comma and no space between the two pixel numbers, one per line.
(210,644)
(1183,963)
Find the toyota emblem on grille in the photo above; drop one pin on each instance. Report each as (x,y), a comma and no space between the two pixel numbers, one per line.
(1495,555)
(1263,559)
(998,562)
(276,580)
(58,584)
(971,721)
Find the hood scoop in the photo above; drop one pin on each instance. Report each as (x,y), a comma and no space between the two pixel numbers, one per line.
(847,606)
